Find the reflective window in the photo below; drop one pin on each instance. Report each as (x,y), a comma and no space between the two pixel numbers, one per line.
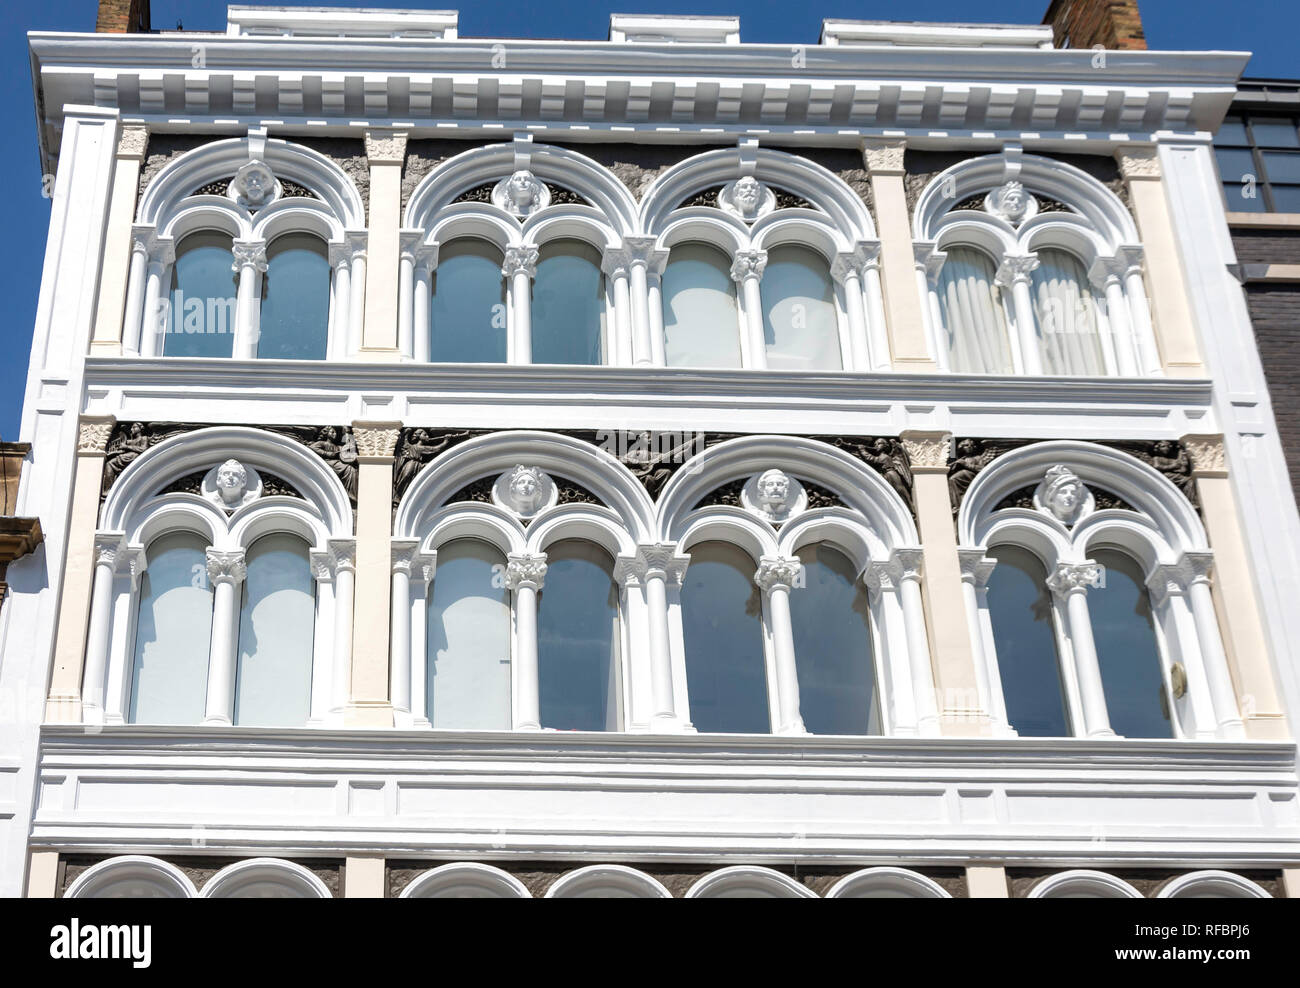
(568,305)
(974,320)
(169,675)
(832,645)
(294,320)
(277,629)
(1066,314)
(1127,650)
(468,314)
(469,639)
(1020,610)
(722,609)
(201,320)
(1259,163)
(800,327)
(701,321)
(577,639)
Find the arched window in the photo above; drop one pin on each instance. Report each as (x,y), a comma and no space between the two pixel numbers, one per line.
(568,305)
(1020,610)
(974,319)
(831,618)
(701,321)
(468,649)
(172,634)
(800,326)
(294,320)
(578,639)
(1066,315)
(277,625)
(1127,649)
(468,313)
(201,319)
(726,676)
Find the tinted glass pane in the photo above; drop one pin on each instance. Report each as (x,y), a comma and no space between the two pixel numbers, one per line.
(468,315)
(1020,610)
(568,312)
(832,646)
(577,639)
(294,320)
(1127,650)
(799,322)
(277,628)
(1275,133)
(1233,131)
(469,639)
(1282,167)
(1286,198)
(202,311)
(701,322)
(722,610)
(169,678)
(1236,200)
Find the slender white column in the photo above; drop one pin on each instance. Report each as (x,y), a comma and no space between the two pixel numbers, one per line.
(154,320)
(775,576)
(976,568)
(929,262)
(655,308)
(879,333)
(409,242)
(226,571)
(356,243)
(1014,274)
(1070,582)
(135,288)
(341,301)
(407,558)
(643,255)
(655,567)
(524,576)
(1222,695)
(421,580)
(847,271)
(906,567)
(343,563)
(426,262)
(747,270)
(108,547)
(1139,311)
(1107,274)
(614,264)
(519,269)
(250,265)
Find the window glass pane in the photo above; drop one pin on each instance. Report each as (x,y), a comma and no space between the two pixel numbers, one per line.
(799,321)
(202,314)
(1234,165)
(469,639)
(568,314)
(1127,650)
(701,322)
(1282,167)
(722,609)
(832,645)
(1020,611)
(169,675)
(577,639)
(973,317)
(1066,314)
(1232,131)
(294,320)
(277,629)
(1274,133)
(1237,200)
(468,315)
(1286,198)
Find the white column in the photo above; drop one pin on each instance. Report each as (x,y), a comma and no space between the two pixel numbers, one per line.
(655,308)
(976,568)
(250,265)
(108,547)
(135,288)
(519,269)
(1014,274)
(846,269)
(420,583)
(524,576)
(747,270)
(643,256)
(340,301)
(775,576)
(906,567)
(876,328)
(929,262)
(1107,274)
(1222,695)
(226,571)
(343,563)
(426,262)
(1070,582)
(1139,312)
(407,560)
(654,568)
(356,243)
(614,265)
(408,243)
(154,320)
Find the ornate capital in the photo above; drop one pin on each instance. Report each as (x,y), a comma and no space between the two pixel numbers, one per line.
(927,451)
(1104,270)
(386,147)
(408,244)
(1138,161)
(375,440)
(778,573)
(643,250)
(226,566)
(342,555)
(526,570)
(865,254)
(1207,455)
(929,260)
(889,574)
(1074,577)
(656,560)
(162,251)
(1168,580)
(403,554)
(132,141)
(248,253)
(1014,268)
(976,566)
(93,434)
(520,259)
(110,549)
(748,264)
(883,156)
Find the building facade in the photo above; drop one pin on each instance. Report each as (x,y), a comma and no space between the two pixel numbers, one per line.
(658,466)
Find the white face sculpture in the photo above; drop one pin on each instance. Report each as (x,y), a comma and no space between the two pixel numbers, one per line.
(522,191)
(525,488)
(748,194)
(773,488)
(232,481)
(1064,493)
(1066,497)
(1012,201)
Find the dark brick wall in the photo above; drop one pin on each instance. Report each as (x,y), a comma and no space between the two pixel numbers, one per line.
(1275,315)
(1266,246)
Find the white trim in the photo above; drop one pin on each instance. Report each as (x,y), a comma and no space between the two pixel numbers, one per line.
(465,879)
(748,882)
(607,882)
(166,879)
(1083,884)
(294,881)
(1212,885)
(887,883)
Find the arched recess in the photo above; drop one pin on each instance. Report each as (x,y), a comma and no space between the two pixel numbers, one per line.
(1083,884)
(1211,885)
(887,883)
(465,880)
(748,882)
(607,882)
(265,878)
(132,876)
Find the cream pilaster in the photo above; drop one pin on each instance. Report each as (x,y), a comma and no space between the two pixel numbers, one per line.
(364,877)
(962,711)
(63,704)
(904,305)
(987,882)
(119,256)
(368,701)
(1175,328)
(43,875)
(1233,592)
(1291,883)
(386,151)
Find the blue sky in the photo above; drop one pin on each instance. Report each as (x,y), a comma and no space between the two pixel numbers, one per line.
(1269,29)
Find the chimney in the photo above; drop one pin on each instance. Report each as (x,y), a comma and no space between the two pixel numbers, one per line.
(1114,24)
(123,17)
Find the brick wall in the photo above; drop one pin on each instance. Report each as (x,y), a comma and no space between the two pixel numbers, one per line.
(1266,246)
(123,16)
(1275,314)
(1087,23)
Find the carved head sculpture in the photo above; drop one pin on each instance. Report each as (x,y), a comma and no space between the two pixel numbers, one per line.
(1063,493)
(1011,202)
(967,447)
(232,482)
(748,193)
(525,488)
(254,184)
(773,489)
(1165,448)
(747,198)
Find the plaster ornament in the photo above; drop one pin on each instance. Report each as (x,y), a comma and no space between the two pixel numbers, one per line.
(747,198)
(522,194)
(773,495)
(254,186)
(231,485)
(1063,495)
(525,490)
(1012,203)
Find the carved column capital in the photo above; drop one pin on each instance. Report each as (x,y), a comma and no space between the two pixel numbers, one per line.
(386,147)
(340,556)
(927,451)
(132,142)
(865,254)
(778,573)
(1070,578)
(976,566)
(520,259)
(1138,161)
(248,253)
(1016,268)
(110,548)
(748,264)
(526,570)
(1207,455)
(375,441)
(659,559)
(883,156)
(226,566)
(93,432)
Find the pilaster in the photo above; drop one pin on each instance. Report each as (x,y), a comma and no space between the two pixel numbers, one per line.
(386,151)
(106,340)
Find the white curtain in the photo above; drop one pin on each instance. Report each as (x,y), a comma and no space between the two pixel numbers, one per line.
(974,319)
(1065,312)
